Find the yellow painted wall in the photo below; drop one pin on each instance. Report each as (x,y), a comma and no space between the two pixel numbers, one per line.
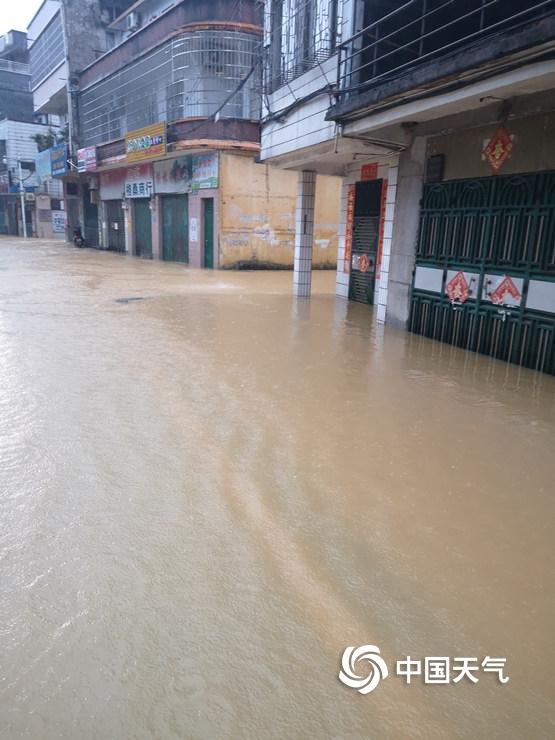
(257,216)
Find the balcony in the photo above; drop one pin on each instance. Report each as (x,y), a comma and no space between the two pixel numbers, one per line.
(15,67)
(424,44)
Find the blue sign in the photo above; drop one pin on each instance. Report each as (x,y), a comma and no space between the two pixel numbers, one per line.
(58,160)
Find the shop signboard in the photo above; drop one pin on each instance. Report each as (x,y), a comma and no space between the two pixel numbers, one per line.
(86,159)
(58,160)
(205,171)
(139,182)
(173,175)
(58,222)
(146,143)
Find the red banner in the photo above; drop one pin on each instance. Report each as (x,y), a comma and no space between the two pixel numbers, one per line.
(349,228)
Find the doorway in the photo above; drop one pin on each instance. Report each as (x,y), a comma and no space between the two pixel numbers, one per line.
(208,231)
(366,237)
(143,228)
(175,228)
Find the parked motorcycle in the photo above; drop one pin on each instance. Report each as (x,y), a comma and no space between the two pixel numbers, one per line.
(78,238)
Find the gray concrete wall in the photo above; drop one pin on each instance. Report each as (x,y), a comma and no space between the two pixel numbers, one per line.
(405,232)
(534,148)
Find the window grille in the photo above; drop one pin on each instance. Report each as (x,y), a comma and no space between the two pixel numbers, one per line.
(190,76)
(301,34)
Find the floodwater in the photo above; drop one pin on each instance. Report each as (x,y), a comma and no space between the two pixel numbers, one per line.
(208,490)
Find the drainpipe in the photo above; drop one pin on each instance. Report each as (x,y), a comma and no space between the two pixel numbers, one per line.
(22,198)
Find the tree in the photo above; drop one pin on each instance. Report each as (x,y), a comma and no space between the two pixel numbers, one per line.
(50,138)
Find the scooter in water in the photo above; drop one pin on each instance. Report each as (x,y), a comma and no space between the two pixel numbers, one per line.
(78,238)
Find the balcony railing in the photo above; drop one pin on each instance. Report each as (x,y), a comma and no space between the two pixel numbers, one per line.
(302,35)
(399,38)
(7,66)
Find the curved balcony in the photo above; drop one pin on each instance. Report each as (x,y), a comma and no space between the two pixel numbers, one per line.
(198,73)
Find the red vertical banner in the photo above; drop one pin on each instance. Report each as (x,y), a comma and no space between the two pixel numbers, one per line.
(349,216)
(382,222)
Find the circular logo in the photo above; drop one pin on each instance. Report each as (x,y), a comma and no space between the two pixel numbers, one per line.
(365,683)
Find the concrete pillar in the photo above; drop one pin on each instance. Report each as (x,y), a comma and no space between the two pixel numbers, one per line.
(196,229)
(304,231)
(103,222)
(128,216)
(405,232)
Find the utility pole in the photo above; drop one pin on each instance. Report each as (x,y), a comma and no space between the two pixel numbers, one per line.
(22,198)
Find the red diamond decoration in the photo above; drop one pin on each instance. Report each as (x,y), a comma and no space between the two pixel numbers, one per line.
(458,289)
(504,287)
(499,149)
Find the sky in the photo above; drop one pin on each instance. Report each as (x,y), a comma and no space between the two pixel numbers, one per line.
(17,14)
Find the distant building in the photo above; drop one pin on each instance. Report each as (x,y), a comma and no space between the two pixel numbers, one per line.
(440,118)
(18,147)
(18,126)
(16,100)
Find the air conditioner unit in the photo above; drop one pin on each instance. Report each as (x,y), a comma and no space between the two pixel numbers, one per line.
(133,21)
(30,197)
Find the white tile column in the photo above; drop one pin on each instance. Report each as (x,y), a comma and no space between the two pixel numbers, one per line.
(304,231)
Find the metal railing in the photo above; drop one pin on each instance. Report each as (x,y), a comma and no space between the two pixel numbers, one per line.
(301,34)
(420,31)
(192,75)
(7,66)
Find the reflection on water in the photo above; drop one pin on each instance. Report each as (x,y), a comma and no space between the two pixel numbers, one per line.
(206,494)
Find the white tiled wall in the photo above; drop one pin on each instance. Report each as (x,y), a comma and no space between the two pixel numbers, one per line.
(305,125)
(304,231)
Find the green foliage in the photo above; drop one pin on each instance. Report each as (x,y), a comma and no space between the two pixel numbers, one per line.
(51,138)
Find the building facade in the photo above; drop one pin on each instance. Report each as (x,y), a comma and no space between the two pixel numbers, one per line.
(16,101)
(161,122)
(439,118)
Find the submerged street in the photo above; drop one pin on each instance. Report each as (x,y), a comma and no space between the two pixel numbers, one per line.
(209,489)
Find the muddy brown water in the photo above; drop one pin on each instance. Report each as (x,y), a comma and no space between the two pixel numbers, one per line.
(208,493)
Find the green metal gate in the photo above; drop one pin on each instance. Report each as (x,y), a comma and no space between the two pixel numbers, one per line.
(208,230)
(485,267)
(175,228)
(143,228)
(366,234)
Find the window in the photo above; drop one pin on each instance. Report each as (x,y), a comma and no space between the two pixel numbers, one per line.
(47,52)
(302,33)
